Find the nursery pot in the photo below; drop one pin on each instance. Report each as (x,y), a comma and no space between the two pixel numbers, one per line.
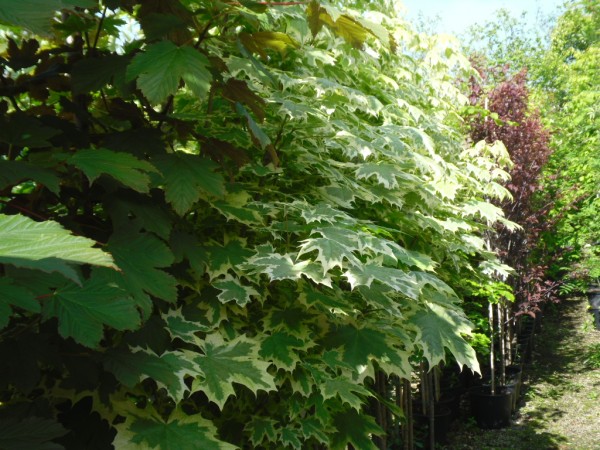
(491,411)
(594,300)
(442,421)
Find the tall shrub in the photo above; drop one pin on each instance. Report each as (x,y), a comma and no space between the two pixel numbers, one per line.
(214,231)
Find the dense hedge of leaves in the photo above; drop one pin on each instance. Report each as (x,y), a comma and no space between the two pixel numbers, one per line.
(220,220)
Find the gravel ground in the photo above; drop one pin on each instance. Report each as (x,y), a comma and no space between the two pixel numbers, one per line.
(561,405)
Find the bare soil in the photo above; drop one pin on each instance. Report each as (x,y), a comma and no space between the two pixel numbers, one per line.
(560,408)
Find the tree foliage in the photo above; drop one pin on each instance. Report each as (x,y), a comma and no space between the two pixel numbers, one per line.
(258,207)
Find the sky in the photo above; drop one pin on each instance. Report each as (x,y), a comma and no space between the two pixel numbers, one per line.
(457,15)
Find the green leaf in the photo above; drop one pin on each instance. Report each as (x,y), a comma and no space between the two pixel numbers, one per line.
(346,390)
(311,427)
(36,15)
(183,432)
(188,178)
(46,246)
(139,256)
(439,327)
(168,369)
(278,267)
(330,253)
(160,68)
(83,311)
(261,428)
(279,347)
(13,172)
(223,258)
(397,279)
(94,73)
(13,295)
(362,345)
(123,167)
(233,290)
(273,40)
(384,173)
(225,363)
(30,433)
(355,428)
(290,437)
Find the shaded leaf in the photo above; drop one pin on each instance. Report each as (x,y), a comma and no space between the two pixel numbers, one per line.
(188,178)
(123,167)
(30,433)
(160,68)
(168,369)
(355,428)
(14,295)
(83,311)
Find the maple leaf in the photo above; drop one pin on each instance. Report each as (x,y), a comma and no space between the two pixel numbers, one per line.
(140,255)
(262,428)
(346,390)
(187,178)
(168,369)
(397,279)
(353,427)
(360,346)
(439,327)
(123,167)
(222,258)
(233,290)
(179,432)
(83,311)
(279,347)
(225,363)
(162,65)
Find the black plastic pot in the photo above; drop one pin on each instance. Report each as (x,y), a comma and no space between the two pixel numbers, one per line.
(492,411)
(594,301)
(442,421)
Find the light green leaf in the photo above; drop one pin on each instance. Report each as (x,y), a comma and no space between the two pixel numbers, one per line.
(182,432)
(355,428)
(439,327)
(278,267)
(323,213)
(123,167)
(233,290)
(188,178)
(346,390)
(225,363)
(279,347)
(160,68)
(330,253)
(83,311)
(397,279)
(46,246)
(384,173)
(168,369)
(14,295)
